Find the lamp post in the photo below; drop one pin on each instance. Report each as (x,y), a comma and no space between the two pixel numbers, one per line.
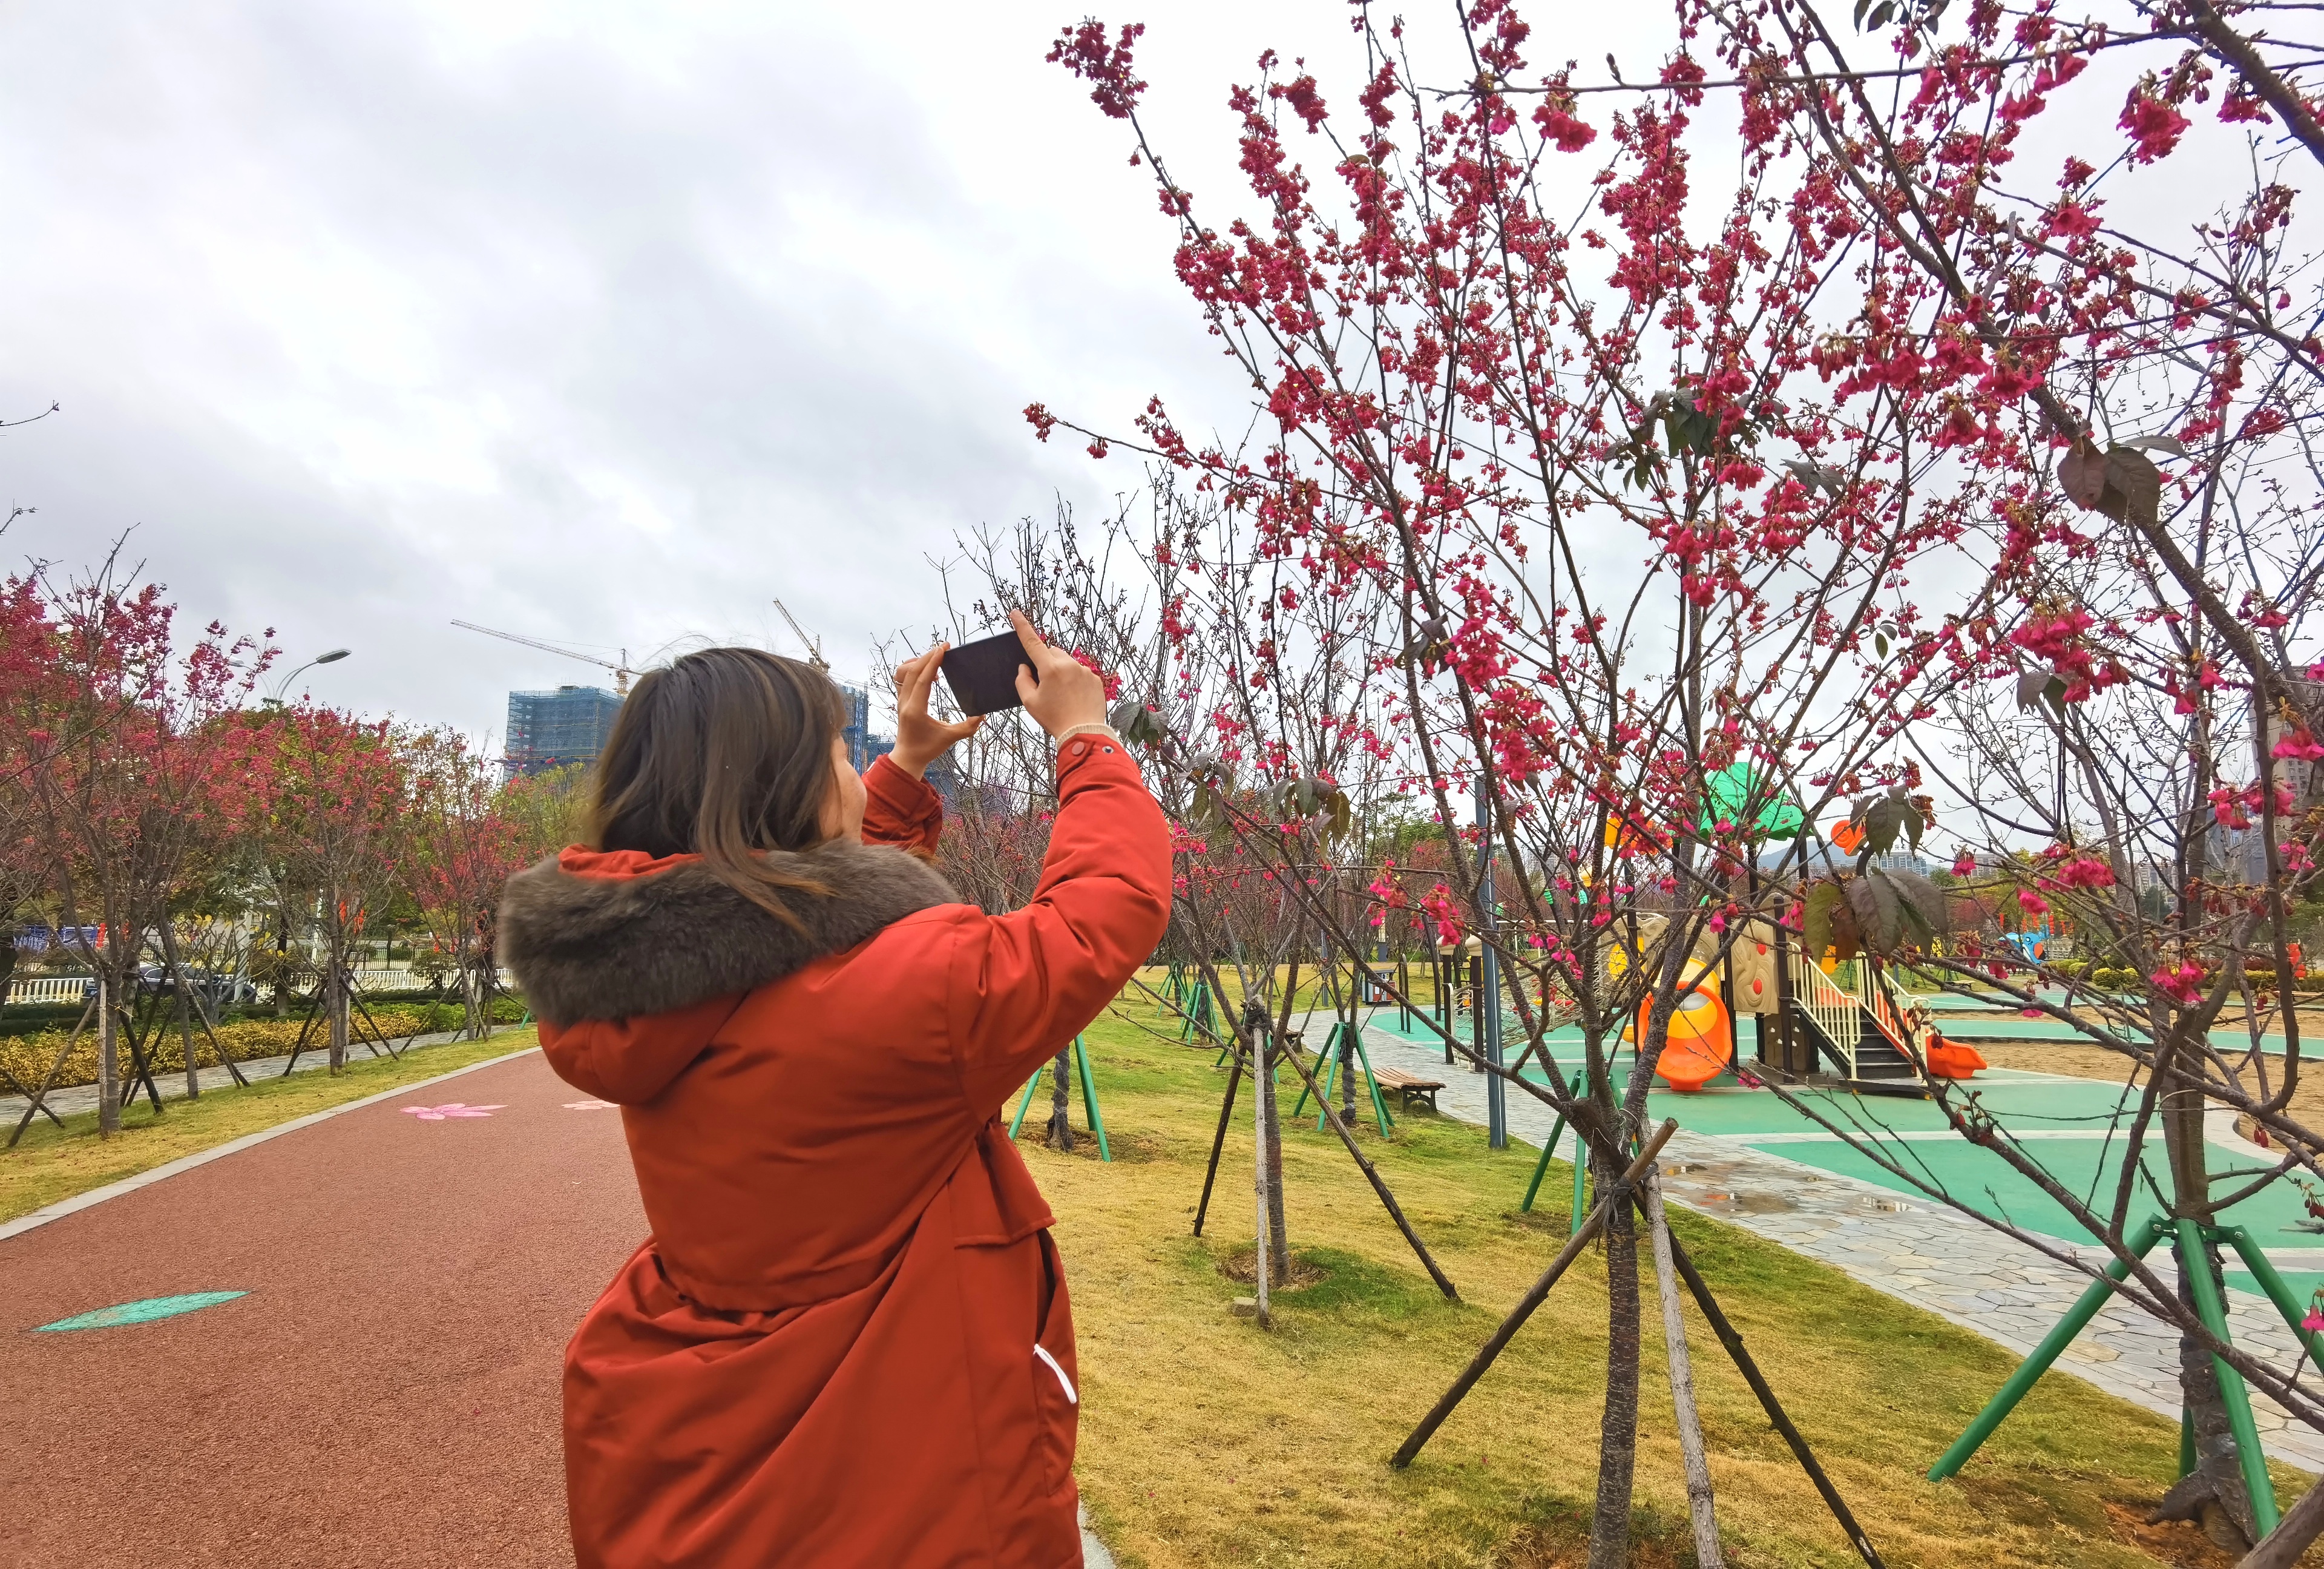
(274,698)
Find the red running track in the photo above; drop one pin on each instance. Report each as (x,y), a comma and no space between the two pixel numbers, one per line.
(387,1394)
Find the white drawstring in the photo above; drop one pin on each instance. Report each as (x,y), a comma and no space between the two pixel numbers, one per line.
(1043,1353)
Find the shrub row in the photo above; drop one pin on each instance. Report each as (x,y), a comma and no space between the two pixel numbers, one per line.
(29,1056)
(2110,978)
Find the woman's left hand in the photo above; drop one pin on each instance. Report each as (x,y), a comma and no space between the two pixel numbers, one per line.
(920,737)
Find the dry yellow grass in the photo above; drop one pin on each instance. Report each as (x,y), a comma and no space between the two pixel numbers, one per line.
(1207,1442)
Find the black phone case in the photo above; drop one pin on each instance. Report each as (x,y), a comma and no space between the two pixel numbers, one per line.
(983,675)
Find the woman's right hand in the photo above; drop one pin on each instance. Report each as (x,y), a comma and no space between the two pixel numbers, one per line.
(1068,692)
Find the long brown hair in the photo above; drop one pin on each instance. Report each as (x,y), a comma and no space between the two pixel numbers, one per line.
(725,754)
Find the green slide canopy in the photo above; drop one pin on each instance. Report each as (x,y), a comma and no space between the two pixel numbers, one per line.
(1731,792)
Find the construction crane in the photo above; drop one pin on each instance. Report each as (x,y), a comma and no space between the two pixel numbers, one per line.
(814,644)
(622,671)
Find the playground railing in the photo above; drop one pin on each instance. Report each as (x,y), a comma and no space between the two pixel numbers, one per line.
(1832,1009)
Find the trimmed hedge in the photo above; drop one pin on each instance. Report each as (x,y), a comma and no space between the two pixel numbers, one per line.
(2117,979)
(28,1056)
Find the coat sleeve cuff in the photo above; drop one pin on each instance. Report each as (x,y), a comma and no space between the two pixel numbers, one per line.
(899,809)
(1088,759)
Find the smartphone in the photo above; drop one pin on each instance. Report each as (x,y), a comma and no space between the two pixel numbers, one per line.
(983,675)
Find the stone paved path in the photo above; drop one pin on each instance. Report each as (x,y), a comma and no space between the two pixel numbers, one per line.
(1911,1248)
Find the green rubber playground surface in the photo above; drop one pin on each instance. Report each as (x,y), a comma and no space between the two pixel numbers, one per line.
(2065,1121)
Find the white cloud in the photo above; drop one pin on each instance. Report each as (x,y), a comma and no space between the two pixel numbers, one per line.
(596,322)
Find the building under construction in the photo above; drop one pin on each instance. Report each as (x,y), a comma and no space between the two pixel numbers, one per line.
(548,730)
(862,746)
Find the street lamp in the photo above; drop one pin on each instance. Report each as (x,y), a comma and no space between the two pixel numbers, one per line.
(274,698)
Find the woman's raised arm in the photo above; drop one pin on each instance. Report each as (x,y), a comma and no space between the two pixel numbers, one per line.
(1022,984)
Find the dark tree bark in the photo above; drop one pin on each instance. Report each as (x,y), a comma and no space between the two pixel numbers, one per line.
(1061,1127)
(2213,1496)
(1618,1427)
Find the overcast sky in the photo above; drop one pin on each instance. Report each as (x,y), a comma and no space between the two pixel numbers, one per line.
(600,322)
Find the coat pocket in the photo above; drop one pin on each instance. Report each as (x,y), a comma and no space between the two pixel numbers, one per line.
(1057,1379)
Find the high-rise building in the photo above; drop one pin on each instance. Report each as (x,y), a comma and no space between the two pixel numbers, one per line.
(862,746)
(548,730)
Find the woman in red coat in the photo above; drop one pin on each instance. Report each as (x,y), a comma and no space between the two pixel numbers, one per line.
(847,1341)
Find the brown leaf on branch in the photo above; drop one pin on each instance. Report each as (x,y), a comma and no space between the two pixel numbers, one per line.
(2135,485)
(2122,483)
(2081,474)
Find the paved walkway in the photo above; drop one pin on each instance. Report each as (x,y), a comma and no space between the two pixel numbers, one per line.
(386,1390)
(1911,1248)
(71,1098)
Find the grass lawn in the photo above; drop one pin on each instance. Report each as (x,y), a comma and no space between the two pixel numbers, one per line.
(49,1164)
(1207,1441)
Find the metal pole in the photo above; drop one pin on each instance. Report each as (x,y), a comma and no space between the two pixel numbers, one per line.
(1089,1100)
(2014,1390)
(1489,989)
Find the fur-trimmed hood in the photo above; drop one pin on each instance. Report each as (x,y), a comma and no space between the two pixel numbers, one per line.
(609,935)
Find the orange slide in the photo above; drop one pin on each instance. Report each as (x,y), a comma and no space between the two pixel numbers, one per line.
(1951,1060)
(1701,1044)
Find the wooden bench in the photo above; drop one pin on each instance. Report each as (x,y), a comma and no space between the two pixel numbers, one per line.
(1407,1085)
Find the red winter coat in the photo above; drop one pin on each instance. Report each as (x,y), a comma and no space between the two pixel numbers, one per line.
(847,1341)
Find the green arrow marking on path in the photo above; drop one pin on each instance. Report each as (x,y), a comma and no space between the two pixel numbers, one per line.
(144,1311)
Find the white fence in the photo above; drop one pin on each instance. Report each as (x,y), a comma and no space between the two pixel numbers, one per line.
(72,988)
(48,989)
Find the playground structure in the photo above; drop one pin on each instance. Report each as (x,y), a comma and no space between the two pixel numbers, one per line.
(1812,1022)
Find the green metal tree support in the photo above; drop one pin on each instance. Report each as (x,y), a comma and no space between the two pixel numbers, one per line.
(1541,1167)
(1089,1098)
(2210,1307)
(1333,1051)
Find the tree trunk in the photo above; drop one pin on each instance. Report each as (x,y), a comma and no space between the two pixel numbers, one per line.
(335,1008)
(476,994)
(2213,1496)
(1618,1429)
(1348,1073)
(1618,1439)
(1699,1501)
(1262,1113)
(108,1057)
(1271,1151)
(1061,1127)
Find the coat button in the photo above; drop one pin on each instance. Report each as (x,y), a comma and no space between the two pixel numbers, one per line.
(1080,747)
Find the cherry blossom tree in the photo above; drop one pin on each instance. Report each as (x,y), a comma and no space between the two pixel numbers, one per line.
(461,850)
(332,832)
(2105,209)
(1652,483)
(135,761)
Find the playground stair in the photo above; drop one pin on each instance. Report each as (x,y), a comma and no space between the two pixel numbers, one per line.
(1860,1032)
(1880,1062)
